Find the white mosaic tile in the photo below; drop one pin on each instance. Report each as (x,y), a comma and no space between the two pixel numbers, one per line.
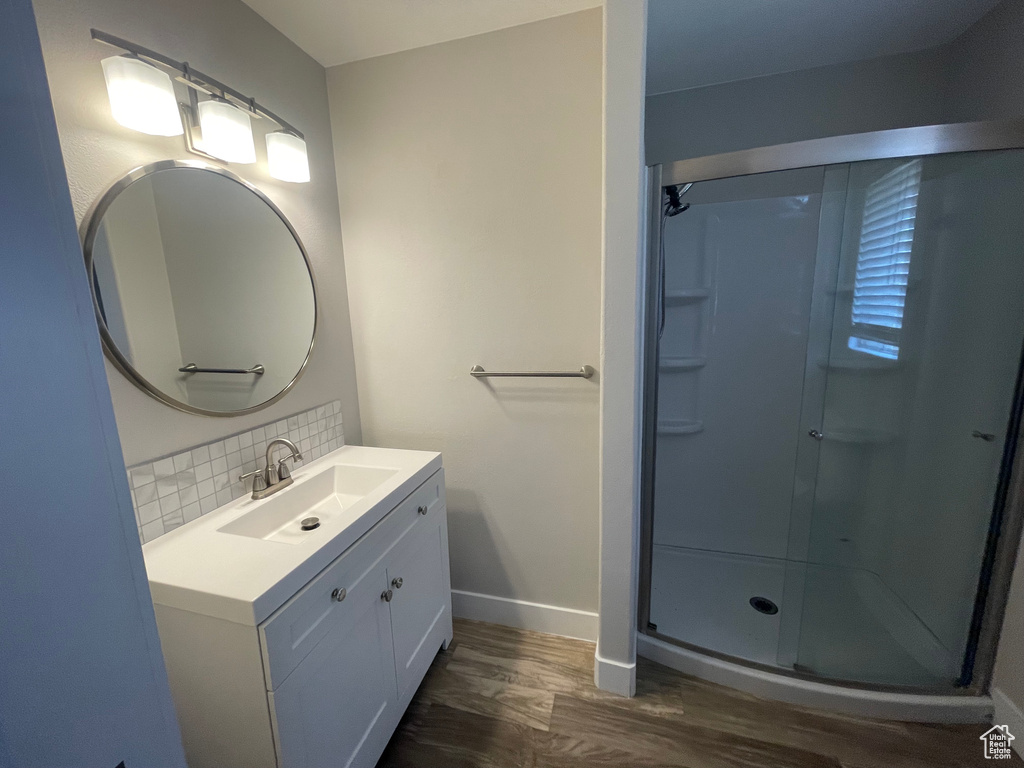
(173,490)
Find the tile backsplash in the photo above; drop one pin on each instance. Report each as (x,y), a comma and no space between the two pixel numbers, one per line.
(176,489)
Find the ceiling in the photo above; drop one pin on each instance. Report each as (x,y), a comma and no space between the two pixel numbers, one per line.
(701,42)
(338,31)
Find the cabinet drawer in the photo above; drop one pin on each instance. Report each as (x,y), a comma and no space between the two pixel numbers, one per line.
(419,506)
(294,630)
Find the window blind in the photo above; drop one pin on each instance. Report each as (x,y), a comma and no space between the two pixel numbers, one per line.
(886,240)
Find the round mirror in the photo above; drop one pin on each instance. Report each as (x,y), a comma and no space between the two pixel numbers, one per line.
(203,292)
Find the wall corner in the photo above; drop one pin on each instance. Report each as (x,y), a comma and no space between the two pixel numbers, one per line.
(622,275)
(615,677)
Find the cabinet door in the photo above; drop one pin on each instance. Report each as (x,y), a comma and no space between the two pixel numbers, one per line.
(420,607)
(337,709)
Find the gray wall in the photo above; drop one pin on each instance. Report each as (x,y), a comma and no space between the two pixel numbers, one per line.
(471,203)
(82,680)
(974,77)
(890,92)
(986,79)
(228,40)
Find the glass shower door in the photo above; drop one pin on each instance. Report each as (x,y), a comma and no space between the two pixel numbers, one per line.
(926,338)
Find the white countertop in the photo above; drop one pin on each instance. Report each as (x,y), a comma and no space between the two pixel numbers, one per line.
(201,569)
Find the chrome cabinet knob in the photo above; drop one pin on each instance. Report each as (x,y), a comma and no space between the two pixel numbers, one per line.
(338,594)
(816,434)
(387,595)
(422,509)
(397,582)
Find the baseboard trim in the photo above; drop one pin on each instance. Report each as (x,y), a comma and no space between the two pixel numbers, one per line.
(851,701)
(614,676)
(1009,714)
(522,614)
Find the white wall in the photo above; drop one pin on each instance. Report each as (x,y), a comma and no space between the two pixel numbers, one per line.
(251,284)
(622,312)
(229,41)
(132,245)
(1008,682)
(469,177)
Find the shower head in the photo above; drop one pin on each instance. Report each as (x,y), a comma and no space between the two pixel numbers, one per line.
(673,206)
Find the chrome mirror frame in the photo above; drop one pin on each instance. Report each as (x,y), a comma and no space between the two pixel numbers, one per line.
(88,231)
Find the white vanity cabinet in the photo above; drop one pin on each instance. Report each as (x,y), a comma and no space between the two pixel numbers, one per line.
(324,679)
(339,705)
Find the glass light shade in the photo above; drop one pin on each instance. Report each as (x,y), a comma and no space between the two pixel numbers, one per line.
(286,155)
(227,133)
(141,96)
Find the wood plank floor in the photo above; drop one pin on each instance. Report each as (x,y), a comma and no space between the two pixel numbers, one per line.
(506,698)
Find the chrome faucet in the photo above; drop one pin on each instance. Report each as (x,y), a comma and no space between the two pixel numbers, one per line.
(271,479)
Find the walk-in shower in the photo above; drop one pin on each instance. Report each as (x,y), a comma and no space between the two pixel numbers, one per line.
(834,344)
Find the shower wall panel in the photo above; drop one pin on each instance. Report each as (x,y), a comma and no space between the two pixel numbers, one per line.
(739,276)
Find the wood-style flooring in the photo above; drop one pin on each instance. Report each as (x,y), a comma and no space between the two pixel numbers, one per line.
(504,698)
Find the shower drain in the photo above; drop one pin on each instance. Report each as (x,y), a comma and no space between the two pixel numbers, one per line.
(764,605)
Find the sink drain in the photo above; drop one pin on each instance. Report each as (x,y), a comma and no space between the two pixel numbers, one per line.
(310,523)
(764,605)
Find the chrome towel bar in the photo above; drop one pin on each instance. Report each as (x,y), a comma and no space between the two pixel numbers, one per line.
(258,369)
(584,372)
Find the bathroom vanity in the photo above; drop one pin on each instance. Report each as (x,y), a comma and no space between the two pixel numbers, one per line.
(292,648)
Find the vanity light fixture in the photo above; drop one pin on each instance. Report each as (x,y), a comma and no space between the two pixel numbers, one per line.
(227,132)
(286,156)
(142,97)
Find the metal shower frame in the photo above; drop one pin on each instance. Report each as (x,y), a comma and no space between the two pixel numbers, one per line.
(1007,521)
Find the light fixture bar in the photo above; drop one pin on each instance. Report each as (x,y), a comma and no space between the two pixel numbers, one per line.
(195,79)
(190,121)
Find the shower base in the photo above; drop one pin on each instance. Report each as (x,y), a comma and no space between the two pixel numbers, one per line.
(854,628)
(914,707)
(703,598)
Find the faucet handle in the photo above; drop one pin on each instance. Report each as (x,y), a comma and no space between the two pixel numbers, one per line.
(282,469)
(259,482)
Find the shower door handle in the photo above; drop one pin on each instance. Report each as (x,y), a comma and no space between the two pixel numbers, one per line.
(816,434)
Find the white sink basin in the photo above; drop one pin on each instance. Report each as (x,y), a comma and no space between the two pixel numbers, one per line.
(326,495)
(241,561)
